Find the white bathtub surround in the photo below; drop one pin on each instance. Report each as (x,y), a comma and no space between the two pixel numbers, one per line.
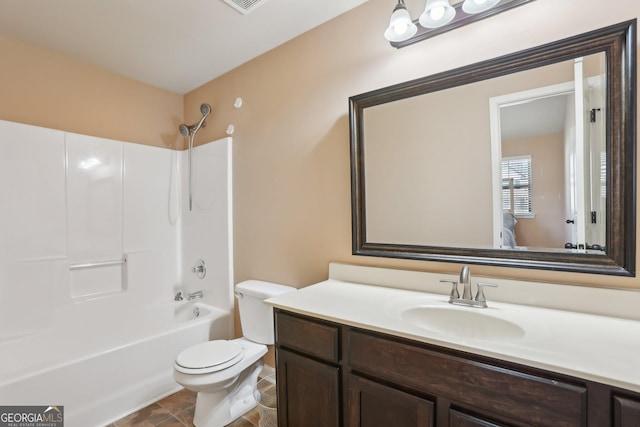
(95,175)
(77,326)
(206,229)
(553,331)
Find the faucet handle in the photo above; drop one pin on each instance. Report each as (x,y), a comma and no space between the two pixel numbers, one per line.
(199,269)
(480,293)
(454,289)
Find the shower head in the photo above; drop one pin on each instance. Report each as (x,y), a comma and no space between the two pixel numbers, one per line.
(185,130)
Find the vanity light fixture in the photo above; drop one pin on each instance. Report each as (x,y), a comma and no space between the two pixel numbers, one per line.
(440,16)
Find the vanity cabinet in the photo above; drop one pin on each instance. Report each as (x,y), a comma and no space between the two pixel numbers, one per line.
(339,376)
(308,372)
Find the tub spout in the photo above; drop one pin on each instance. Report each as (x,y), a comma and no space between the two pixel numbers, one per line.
(194,295)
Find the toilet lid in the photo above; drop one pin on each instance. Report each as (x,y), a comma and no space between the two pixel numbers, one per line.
(210,356)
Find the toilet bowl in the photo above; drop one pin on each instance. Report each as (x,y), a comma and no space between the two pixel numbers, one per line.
(224,373)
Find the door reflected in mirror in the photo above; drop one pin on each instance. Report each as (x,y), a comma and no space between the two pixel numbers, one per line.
(551,143)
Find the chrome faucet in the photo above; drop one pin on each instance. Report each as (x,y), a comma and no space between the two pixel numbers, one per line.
(467,299)
(178,296)
(465,279)
(194,295)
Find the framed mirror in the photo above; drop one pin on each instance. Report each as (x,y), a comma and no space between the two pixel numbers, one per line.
(527,160)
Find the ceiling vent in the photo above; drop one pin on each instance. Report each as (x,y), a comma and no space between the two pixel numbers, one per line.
(244,6)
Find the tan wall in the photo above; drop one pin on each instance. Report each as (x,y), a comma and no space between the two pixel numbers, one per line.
(444,139)
(547,229)
(43,88)
(291,146)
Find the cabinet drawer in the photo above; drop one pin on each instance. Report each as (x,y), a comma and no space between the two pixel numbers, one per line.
(312,337)
(519,396)
(626,412)
(460,419)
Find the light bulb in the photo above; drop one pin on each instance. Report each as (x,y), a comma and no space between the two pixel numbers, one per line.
(400,28)
(478,6)
(437,13)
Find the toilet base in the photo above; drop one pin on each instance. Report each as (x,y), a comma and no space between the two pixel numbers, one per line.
(219,408)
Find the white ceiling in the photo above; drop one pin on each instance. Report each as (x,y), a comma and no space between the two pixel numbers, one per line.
(173,44)
(542,116)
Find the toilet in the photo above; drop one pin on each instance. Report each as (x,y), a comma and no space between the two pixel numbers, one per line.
(224,373)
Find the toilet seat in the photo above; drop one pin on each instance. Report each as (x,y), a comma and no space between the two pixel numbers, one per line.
(208,357)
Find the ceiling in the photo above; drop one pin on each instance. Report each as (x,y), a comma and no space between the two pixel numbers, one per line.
(177,45)
(542,116)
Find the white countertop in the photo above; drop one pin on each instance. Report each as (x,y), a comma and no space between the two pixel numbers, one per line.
(594,347)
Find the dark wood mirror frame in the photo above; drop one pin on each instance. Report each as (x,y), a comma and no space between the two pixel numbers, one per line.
(618,42)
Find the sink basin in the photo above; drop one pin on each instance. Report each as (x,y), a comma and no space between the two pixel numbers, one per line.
(465,323)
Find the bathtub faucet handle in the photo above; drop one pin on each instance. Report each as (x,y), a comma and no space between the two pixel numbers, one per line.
(178,296)
(200,269)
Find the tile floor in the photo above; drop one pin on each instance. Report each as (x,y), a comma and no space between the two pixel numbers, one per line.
(177,411)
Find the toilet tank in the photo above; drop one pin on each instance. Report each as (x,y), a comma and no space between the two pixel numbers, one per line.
(256,317)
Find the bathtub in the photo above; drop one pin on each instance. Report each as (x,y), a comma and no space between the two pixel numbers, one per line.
(102,372)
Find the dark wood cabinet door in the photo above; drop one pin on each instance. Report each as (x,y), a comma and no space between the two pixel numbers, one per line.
(308,392)
(374,405)
(626,412)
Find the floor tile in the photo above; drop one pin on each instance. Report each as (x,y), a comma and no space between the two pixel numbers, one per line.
(171,422)
(149,416)
(177,410)
(186,416)
(241,422)
(253,416)
(179,401)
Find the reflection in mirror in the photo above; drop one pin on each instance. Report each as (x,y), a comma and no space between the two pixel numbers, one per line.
(517,161)
(550,182)
(459,189)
